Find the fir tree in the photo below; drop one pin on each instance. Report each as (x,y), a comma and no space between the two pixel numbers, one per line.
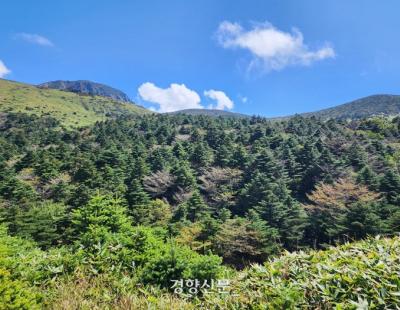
(390,184)
(184,176)
(196,207)
(368,177)
(138,202)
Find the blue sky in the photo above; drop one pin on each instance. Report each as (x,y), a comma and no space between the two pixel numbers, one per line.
(257,57)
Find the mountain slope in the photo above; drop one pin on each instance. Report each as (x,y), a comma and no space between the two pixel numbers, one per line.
(88,88)
(209,112)
(71,109)
(364,107)
(360,108)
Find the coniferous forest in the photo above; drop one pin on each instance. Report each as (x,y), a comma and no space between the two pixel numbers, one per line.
(295,213)
(200,155)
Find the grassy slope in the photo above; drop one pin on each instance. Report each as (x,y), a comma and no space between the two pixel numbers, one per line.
(71,109)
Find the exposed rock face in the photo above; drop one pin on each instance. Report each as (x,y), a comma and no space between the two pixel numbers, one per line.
(87,87)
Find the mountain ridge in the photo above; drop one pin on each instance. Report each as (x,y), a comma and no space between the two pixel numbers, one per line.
(97,107)
(373,105)
(369,106)
(88,88)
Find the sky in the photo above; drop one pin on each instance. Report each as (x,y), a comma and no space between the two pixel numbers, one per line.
(269,58)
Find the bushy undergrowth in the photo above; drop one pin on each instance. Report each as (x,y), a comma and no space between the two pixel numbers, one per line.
(362,275)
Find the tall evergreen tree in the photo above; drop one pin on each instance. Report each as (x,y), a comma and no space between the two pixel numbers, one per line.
(357,156)
(196,207)
(368,177)
(280,211)
(138,202)
(390,184)
(184,176)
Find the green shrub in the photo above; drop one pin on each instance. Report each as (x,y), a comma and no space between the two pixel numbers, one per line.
(15,294)
(354,276)
(176,262)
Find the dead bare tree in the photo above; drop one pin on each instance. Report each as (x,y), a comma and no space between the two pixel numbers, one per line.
(159,182)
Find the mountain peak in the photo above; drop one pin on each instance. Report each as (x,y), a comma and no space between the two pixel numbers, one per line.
(87,88)
(373,105)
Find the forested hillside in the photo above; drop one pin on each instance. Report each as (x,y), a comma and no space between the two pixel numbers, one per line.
(129,204)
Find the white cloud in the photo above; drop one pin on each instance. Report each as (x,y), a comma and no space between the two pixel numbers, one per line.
(222,100)
(272,48)
(35,39)
(3,70)
(175,97)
